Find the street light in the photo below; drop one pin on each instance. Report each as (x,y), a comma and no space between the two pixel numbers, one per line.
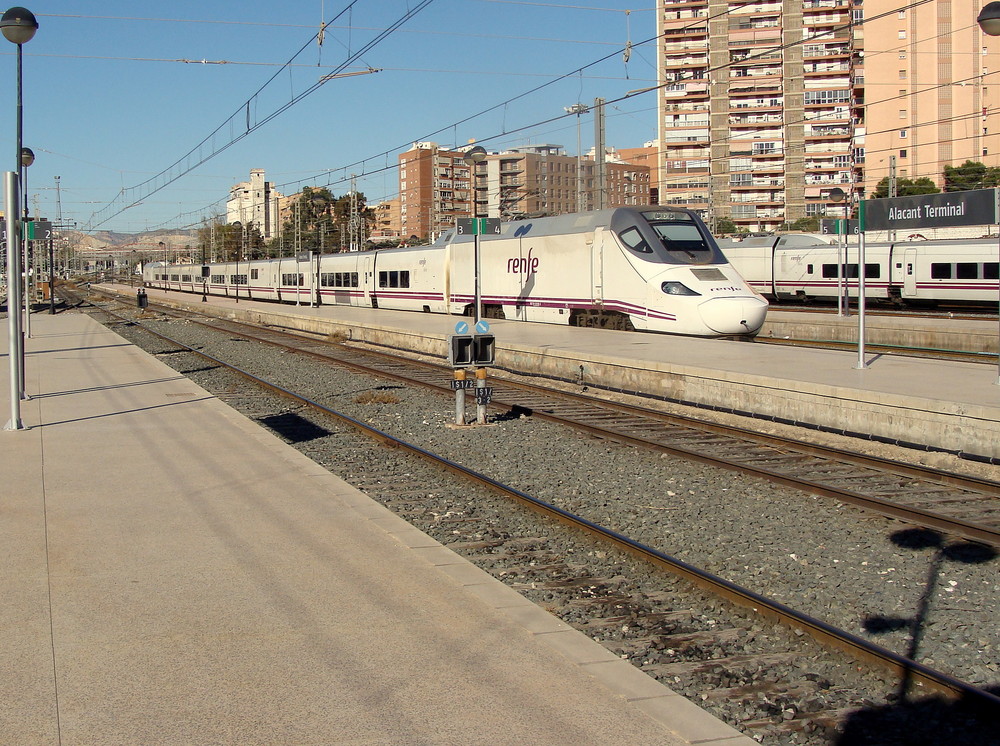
(837,194)
(27,158)
(989,21)
(472,157)
(18,26)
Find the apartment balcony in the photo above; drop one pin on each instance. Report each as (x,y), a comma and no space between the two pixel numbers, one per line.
(687,88)
(827,133)
(825,68)
(754,120)
(808,5)
(757,184)
(812,53)
(755,22)
(684,30)
(755,73)
(777,198)
(813,180)
(741,106)
(686,63)
(815,22)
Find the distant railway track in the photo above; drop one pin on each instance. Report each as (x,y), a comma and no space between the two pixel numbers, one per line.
(537,568)
(989,358)
(962,506)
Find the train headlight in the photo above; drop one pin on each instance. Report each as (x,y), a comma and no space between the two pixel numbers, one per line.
(677,288)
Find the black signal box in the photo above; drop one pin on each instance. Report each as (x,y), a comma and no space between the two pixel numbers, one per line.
(470,350)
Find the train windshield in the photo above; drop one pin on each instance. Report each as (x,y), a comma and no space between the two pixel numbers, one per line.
(669,237)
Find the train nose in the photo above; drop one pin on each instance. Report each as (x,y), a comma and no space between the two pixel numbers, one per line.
(734,315)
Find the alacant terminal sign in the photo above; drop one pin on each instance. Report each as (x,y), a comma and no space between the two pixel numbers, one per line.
(976,207)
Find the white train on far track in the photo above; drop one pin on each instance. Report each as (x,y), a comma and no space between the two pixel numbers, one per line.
(916,272)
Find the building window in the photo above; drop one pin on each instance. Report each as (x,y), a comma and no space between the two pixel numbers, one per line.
(902,34)
(902,74)
(902,153)
(902,134)
(902,54)
(902,113)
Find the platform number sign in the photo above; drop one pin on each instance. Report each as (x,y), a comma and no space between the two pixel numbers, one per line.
(32,230)
(477,226)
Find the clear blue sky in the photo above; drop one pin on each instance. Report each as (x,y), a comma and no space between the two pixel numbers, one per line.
(108,103)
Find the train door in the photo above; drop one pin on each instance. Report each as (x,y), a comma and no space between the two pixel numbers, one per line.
(597,266)
(910,273)
(369,280)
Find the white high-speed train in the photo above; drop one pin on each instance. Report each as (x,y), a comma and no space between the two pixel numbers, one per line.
(651,268)
(804,266)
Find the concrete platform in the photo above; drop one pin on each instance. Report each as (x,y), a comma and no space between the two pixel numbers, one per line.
(174,574)
(947,406)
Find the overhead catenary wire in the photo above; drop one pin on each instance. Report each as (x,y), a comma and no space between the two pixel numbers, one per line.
(194,158)
(326,178)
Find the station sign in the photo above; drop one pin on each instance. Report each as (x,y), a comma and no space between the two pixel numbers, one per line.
(973,207)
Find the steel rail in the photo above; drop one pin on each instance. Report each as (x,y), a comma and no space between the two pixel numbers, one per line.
(906,669)
(911,514)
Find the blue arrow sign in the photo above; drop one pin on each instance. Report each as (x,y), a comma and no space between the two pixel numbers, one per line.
(482,326)
(462,327)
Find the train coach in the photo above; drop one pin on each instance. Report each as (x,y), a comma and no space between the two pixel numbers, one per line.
(653,269)
(917,272)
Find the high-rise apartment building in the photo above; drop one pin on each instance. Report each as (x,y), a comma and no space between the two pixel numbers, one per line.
(769,109)
(436,186)
(933,89)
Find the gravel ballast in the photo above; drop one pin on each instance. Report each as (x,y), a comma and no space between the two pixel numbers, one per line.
(832,561)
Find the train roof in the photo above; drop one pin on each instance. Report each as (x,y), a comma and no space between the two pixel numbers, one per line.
(559,225)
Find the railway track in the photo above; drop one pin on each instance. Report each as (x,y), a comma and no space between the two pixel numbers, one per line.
(959,505)
(677,643)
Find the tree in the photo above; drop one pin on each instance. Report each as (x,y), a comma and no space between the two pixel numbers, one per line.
(319,221)
(906,187)
(725,226)
(803,225)
(970,175)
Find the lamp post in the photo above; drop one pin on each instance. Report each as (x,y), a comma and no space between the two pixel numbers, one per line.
(18,26)
(472,157)
(989,21)
(166,271)
(837,194)
(239,247)
(26,159)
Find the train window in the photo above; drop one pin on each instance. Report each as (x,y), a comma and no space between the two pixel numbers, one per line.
(394,279)
(872,271)
(174,278)
(809,269)
(185,278)
(218,279)
(967,271)
(634,240)
(940,271)
(254,274)
(991,271)
(237,279)
(682,241)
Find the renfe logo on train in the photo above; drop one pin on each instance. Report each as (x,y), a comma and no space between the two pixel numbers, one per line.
(520,265)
